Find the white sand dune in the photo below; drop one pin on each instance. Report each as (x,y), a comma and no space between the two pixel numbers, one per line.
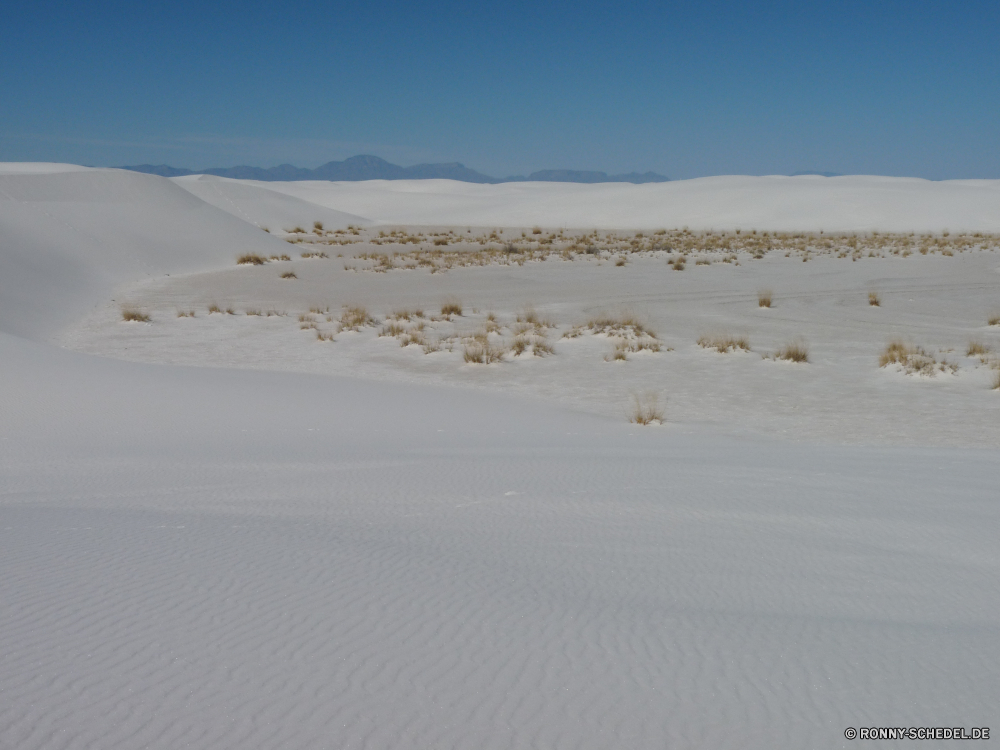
(807,203)
(223,558)
(71,236)
(265,208)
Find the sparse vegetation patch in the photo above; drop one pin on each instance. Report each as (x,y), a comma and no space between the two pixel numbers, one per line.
(133,315)
(250,259)
(724,343)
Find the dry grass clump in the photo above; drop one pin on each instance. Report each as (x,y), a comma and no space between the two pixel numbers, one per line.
(678,263)
(874,300)
(289,275)
(977,348)
(993,321)
(452,307)
(724,344)
(646,409)
(480,352)
(132,315)
(795,352)
(354,318)
(624,324)
(250,259)
(213,308)
(185,313)
(914,360)
(321,336)
(764,298)
(315,255)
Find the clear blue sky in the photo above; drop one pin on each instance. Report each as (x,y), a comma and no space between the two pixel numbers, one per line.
(685,89)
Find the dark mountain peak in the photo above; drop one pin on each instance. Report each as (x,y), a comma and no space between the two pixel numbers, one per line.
(368,167)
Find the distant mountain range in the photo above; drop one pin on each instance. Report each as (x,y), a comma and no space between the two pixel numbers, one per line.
(373,168)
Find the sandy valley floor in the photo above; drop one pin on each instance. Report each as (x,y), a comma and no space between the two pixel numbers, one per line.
(289,531)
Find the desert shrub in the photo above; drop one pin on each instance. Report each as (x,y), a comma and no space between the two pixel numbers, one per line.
(646,409)
(482,353)
(795,352)
(873,299)
(289,275)
(977,348)
(250,259)
(452,307)
(993,321)
(132,315)
(354,318)
(913,360)
(764,298)
(725,343)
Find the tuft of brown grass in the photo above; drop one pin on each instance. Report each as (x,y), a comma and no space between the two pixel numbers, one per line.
(646,409)
(873,299)
(993,321)
(185,313)
(354,318)
(764,298)
(482,353)
(724,344)
(213,308)
(977,348)
(320,336)
(250,259)
(914,360)
(452,307)
(132,315)
(795,352)
(289,275)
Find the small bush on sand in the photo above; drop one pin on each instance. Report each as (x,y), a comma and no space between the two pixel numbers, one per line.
(874,300)
(185,313)
(795,352)
(913,360)
(289,275)
(214,309)
(764,299)
(646,409)
(480,353)
(355,318)
(993,321)
(249,259)
(724,344)
(977,348)
(452,307)
(131,315)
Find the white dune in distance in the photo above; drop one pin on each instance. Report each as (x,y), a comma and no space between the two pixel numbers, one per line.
(204,556)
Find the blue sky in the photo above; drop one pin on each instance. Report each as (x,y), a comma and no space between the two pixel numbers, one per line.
(685,89)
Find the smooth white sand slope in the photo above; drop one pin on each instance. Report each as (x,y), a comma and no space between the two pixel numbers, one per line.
(218,558)
(765,203)
(69,238)
(265,208)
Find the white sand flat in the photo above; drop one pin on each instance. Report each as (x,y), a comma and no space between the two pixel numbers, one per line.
(247,538)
